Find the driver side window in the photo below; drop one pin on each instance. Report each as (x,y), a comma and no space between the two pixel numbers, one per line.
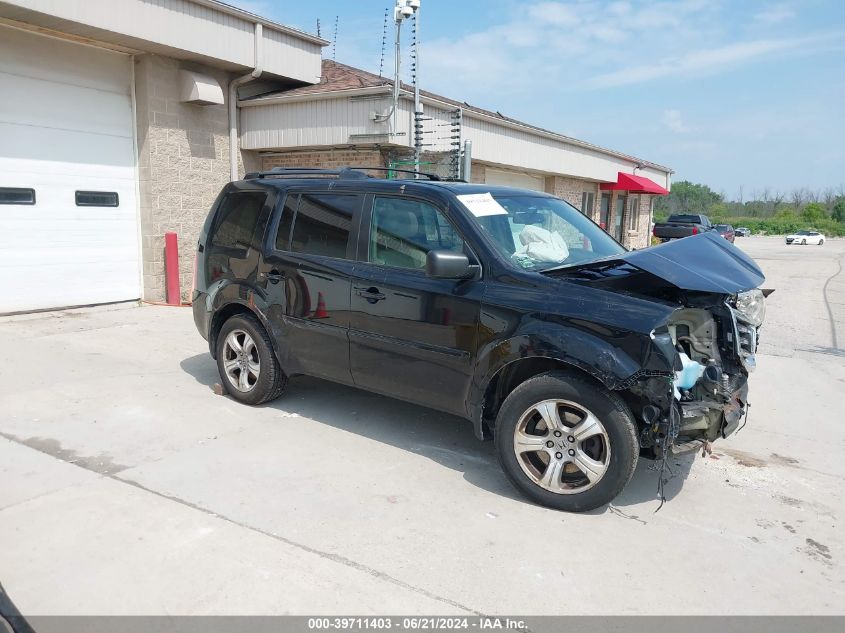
(403,231)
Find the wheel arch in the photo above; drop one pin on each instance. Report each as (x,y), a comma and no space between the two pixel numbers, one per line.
(226,312)
(512,374)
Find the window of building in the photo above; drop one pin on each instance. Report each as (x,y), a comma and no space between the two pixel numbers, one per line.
(588,203)
(97,199)
(236,219)
(17,195)
(323,223)
(633,212)
(404,231)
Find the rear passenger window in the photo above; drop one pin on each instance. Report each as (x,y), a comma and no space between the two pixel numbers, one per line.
(323,223)
(236,219)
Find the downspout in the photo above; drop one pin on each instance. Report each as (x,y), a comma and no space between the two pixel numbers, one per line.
(233,100)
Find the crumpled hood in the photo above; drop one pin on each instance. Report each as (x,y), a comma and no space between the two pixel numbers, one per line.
(703,263)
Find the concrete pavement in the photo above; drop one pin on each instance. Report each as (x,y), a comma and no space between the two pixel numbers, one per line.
(128,487)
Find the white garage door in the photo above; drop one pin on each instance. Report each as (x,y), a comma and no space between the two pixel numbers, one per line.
(65,127)
(514,179)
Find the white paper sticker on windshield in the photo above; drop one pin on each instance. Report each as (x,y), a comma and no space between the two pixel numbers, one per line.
(482,204)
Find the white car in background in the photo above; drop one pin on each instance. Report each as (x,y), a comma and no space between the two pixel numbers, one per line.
(805,237)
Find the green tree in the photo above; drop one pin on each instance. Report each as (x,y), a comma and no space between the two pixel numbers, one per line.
(838,212)
(813,212)
(688,197)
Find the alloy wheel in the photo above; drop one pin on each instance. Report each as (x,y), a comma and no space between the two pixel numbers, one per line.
(561,446)
(241,361)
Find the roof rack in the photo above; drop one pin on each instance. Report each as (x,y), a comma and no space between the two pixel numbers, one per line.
(313,172)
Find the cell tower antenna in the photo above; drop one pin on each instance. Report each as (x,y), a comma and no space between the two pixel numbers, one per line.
(318,28)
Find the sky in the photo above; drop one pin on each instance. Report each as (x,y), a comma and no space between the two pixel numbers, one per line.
(744,96)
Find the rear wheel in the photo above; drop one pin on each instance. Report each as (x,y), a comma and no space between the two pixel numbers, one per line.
(566,443)
(248,367)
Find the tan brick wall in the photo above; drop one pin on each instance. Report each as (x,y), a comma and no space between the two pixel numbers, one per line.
(478,173)
(572,190)
(325,159)
(183,161)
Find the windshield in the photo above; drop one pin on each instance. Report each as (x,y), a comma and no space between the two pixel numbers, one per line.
(539,233)
(723,227)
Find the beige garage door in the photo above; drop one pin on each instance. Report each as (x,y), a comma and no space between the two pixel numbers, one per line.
(515,179)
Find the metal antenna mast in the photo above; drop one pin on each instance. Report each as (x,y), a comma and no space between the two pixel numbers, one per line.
(383,43)
(415,73)
(403,9)
(334,41)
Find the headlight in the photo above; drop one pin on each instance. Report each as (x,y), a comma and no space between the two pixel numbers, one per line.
(751,307)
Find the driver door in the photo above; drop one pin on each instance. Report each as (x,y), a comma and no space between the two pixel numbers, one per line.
(411,336)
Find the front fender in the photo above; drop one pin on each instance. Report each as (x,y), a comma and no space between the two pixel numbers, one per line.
(611,356)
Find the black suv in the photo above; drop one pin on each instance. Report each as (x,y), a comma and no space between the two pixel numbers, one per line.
(504,306)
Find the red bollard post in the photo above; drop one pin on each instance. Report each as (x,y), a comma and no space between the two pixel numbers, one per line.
(171,269)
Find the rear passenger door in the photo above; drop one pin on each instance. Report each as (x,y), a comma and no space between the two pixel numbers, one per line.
(307,272)
(411,336)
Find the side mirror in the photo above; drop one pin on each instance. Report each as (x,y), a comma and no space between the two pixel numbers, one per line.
(447,265)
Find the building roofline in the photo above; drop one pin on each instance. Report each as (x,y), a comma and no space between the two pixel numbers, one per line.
(468,111)
(254,17)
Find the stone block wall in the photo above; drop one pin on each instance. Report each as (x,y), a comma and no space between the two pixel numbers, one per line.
(183,161)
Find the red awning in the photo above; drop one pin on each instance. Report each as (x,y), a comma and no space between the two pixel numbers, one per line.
(634,184)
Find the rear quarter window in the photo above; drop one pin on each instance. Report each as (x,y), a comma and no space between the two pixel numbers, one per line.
(237,218)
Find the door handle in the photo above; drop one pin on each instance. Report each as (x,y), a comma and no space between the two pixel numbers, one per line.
(274,276)
(370,294)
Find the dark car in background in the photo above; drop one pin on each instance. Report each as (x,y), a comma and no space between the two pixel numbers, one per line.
(726,231)
(503,306)
(681,225)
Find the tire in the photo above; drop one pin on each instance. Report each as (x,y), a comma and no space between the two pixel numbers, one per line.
(617,448)
(821,242)
(803,242)
(264,379)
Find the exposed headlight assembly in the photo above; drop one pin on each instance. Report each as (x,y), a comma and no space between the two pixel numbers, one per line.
(751,307)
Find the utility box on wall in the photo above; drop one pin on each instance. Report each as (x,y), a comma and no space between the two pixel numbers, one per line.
(199,89)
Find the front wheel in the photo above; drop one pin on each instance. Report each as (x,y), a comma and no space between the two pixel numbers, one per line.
(803,242)
(565,442)
(821,242)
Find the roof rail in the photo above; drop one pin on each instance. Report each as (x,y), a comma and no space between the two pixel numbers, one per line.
(313,172)
(428,175)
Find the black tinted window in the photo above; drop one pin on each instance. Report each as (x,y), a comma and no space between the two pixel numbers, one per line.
(323,223)
(405,230)
(236,219)
(17,195)
(286,222)
(97,199)
(694,219)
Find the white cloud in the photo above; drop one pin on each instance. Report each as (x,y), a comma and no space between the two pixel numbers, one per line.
(672,120)
(774,14)
(706,61)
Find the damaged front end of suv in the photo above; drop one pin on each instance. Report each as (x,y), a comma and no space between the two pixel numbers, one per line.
(708,342)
